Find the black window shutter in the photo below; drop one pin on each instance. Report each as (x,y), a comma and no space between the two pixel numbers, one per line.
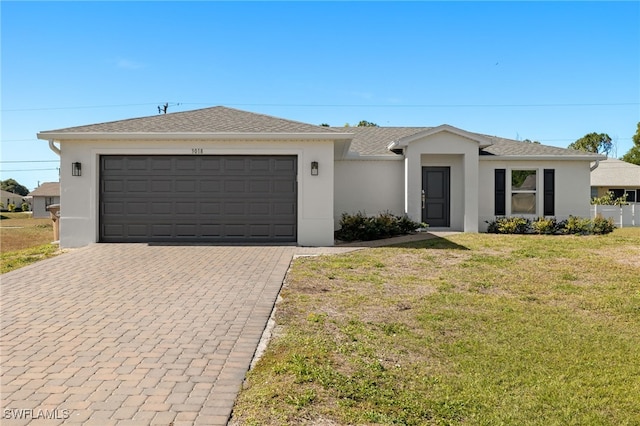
(549,192)
(500,192)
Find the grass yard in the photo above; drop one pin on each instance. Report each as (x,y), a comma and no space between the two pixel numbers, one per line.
(475,329)
(24,240)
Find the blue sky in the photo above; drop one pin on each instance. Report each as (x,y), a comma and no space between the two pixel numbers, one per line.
(546,71)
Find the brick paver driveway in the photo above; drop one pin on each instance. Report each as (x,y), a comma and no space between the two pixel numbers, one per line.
(134,334)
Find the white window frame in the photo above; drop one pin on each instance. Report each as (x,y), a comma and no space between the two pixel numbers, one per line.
(511,191)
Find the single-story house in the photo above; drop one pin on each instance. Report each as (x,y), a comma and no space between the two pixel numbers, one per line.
(42,197)
(7,198)
(225,175)
(616,176)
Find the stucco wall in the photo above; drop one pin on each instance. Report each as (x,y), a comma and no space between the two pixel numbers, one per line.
(369,186)
(39,206)
(79,195)
(457,152)
(572,190)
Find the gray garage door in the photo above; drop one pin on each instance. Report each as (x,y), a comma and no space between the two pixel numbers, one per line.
(220,198)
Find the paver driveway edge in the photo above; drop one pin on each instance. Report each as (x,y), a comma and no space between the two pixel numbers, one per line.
(135,334)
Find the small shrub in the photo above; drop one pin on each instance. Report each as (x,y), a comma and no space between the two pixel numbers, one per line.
(545,226)
(550,226)
(25,207)
(578,225)
(609,199)
(509,225)
(602,226)
(360,227)
(12,207)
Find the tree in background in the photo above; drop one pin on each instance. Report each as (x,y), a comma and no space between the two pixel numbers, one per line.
(633,155)
(530,141)
(599,143)
(363,123)
(12,186)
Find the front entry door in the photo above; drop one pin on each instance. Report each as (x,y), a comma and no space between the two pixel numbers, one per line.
(435,196)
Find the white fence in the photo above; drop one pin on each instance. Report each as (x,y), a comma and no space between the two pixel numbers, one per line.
(622,216)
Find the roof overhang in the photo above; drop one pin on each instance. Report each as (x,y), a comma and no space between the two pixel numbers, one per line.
(397,147)
(75,136)
(586,157)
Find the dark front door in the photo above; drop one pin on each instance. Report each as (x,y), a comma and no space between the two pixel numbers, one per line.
(435,196)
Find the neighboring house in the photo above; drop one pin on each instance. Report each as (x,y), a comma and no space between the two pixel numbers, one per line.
(42,197)
(10,198)
(224,175)
(618,177)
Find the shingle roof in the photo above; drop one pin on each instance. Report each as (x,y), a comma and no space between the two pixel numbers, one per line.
(612,173)
(208,120)
(375,140)
(47,189)
(367,141)
(504,147)
(6,194)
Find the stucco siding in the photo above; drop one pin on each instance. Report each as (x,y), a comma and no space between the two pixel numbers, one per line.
(79,194)
(40,204)
(368,186)
(572,189)
(457,152)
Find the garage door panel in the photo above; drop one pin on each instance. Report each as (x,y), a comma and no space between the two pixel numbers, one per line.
(198,198)
(160,163)
(234,165)
(285,164)
(259,209)
(163,186)
(116,186)
(113,208)
(186,185)
(210,208)
(210,164)
(137,208)
(137,163)
(137,186)
(158,208)
(234,186)
(284,231)
(259,164)
(259,186)
(283,186)
(207,185)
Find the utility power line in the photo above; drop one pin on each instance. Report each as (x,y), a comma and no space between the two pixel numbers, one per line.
(27,170)
(531,105)
(30,161)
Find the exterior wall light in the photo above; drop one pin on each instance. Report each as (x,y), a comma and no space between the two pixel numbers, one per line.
(314,168)
(76,169)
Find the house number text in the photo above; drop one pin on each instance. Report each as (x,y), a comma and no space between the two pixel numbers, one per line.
(197,150)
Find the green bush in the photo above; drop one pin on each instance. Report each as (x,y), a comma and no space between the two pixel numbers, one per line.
(609,199)
(550,226)
(602,226)
(509,225)
(360,227)
(545,226)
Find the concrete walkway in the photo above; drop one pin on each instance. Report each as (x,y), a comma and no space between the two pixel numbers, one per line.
(137,334)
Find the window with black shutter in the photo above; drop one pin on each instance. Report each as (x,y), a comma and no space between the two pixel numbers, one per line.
(549,192)
(500,192)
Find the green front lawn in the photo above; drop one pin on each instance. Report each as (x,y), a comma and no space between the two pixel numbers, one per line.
(474,329)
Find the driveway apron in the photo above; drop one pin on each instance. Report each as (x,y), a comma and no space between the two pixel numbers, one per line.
(133,333)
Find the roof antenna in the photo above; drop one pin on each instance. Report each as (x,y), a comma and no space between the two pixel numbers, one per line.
(163,108)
